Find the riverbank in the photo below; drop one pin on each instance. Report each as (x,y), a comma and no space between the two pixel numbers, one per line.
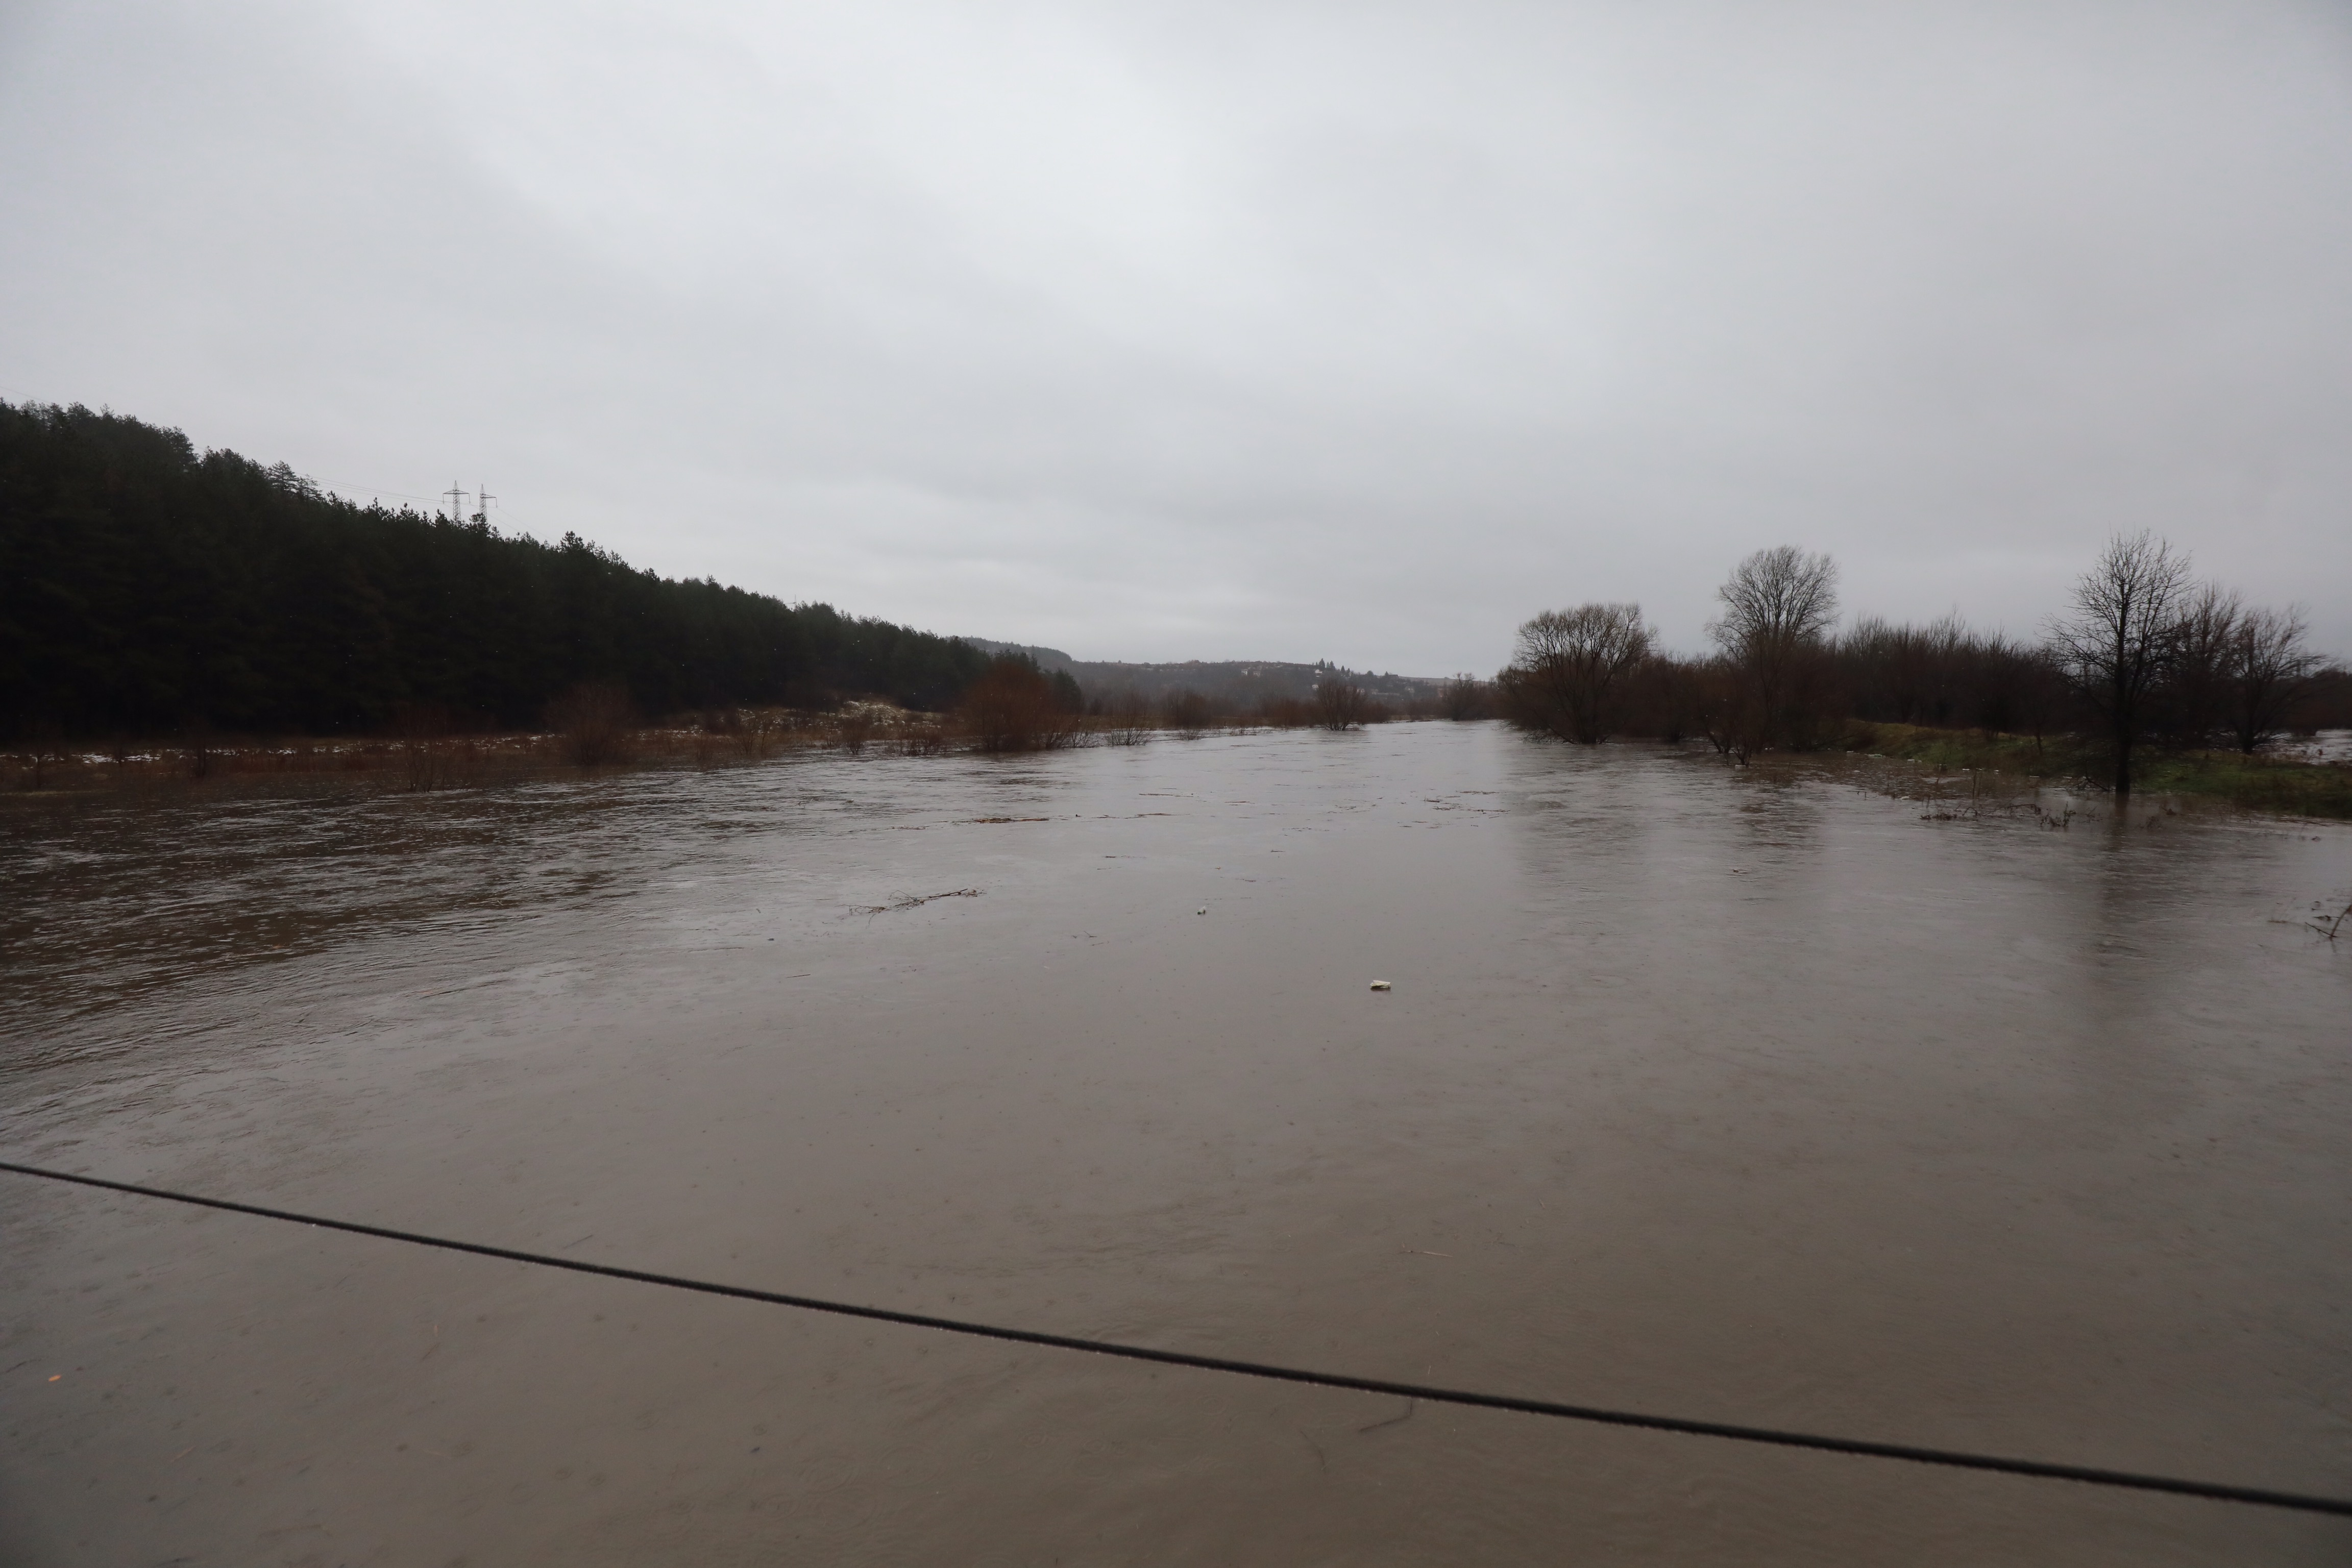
(423,762)
(2287,785)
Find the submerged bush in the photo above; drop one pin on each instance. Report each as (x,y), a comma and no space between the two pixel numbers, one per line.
(1013,707)
(595,724)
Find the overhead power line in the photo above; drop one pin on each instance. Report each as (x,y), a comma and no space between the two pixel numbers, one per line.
(2213,1491)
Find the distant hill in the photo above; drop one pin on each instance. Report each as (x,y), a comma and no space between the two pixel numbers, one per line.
(1046,657)
(1237,683)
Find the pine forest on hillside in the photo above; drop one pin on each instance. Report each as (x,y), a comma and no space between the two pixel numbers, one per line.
(147,587)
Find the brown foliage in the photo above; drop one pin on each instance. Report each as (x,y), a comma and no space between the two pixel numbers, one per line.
(1340,704)
(1126,718)
(1014,708)
(1286,712)
(1464,698)
(1187,713)
(1573,666)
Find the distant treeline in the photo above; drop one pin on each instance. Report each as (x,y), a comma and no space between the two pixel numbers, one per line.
(146,587)
(2142,655)
(1231,686)
(1018,705)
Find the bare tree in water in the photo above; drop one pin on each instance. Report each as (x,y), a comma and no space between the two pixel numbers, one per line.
(1013,707)
(2270,671)
(1464,698)
(2119,640)
(597,724)
(1339,703)
(1572,668)
(1188,712)
(1126,717)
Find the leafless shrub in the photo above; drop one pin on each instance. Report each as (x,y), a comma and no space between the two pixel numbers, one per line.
(198,748)
(2193,699)
(1339,703)
(596,724)
(2270,672)
(1126,718)
(757,735)
(1727,710)
(1664,698)
(1464,698)
(1187,713)
(1974,795)
(1013,707)
(452,763)
(918,738)
(429,759)
(854,727)
(1286,713)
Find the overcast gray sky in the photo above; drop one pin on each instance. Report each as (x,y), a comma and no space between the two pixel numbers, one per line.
(1282,331)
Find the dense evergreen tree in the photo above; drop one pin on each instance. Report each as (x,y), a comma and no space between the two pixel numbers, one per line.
(144,587)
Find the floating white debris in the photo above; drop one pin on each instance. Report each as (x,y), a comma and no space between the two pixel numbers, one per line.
(1381,986)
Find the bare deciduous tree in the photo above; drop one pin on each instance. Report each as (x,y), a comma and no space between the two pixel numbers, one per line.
(1338,704)
(2121,636)
(1012,707)
(1723,709)
(1188,712)
(1776,601)
(1573,664)
(1464,698)
(1913,674)
(2270,670)
(1778,606)
(1126,717)
(2195,696)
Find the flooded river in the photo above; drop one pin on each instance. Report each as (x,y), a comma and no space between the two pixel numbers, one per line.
(1752,1100)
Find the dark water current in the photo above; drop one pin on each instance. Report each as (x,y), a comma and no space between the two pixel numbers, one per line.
(1761,1102)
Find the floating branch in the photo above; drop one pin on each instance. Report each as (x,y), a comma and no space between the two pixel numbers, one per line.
(915,901)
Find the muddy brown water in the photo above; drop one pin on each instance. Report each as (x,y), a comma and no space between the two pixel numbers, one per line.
(1761,1100)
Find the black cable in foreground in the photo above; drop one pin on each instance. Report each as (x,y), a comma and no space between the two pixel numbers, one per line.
(2213,1491)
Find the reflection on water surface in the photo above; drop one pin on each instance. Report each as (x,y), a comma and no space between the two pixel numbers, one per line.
(1756,1099)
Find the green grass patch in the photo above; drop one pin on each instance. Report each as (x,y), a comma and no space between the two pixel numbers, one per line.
(2258,783)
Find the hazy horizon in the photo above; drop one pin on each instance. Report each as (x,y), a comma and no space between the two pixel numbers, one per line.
(1282,333)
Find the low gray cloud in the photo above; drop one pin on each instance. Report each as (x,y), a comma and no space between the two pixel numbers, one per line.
(1281,330)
